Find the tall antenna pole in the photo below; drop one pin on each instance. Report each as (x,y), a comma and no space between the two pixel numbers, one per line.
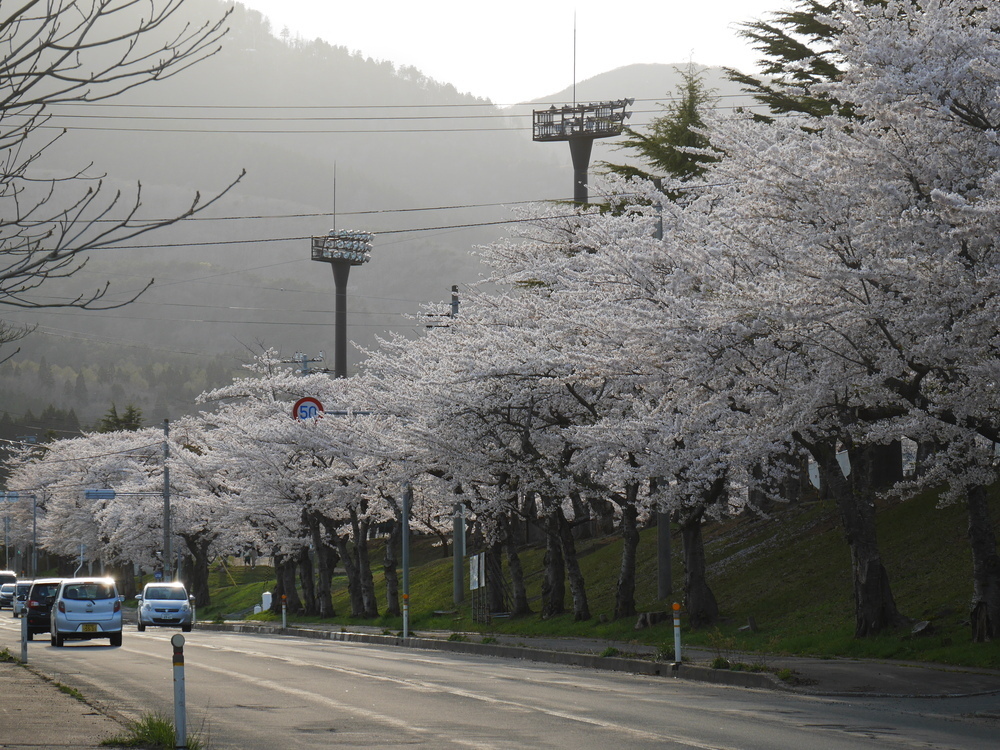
(335,196)
(574,58)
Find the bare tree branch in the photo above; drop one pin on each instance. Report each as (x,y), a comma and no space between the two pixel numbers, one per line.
(78,51)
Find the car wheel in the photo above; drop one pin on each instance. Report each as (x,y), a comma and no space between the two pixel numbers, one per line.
(186,628)
(141,626)
(59,640)
(116,639)
(52,638)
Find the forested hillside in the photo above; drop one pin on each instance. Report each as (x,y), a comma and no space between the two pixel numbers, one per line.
(329,138)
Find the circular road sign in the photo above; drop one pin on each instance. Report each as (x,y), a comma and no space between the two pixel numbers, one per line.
(307,408)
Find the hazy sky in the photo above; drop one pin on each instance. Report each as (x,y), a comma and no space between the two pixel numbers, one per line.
(516,50)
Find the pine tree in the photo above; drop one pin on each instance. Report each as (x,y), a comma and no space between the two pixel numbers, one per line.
(664,148)
(799,51)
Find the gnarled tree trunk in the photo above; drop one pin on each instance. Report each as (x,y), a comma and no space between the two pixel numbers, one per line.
(985,567)
(577,586)
(625,593)
(699,601)
(874,606)
(554,583)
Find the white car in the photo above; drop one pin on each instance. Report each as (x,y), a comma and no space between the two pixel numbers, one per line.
(86,608)
(165,604)
(7,594)
(20,602)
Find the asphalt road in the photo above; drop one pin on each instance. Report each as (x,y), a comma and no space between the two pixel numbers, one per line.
(247,692)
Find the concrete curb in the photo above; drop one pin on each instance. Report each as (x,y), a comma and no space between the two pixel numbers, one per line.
(759,680)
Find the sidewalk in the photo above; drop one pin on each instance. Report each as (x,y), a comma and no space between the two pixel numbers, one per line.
(36,714)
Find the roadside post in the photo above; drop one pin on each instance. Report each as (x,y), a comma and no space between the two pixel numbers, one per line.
(24,633)
(284,611)
(677,632)
(180,710)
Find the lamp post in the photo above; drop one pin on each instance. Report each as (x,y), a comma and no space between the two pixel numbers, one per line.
(342,249)
(580,124)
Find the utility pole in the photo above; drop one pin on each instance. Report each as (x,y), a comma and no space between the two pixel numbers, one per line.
(303,360)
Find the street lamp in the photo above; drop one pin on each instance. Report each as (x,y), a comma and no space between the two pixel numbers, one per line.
(342,249)
(580,124)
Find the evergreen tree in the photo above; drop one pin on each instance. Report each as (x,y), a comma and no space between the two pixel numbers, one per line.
(799,51)
(130,421)
(664,148)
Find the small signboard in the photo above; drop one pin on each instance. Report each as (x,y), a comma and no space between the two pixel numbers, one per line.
(477,572)
(307,408)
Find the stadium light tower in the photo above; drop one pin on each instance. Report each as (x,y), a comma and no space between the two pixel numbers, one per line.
(580,124)
(342,249)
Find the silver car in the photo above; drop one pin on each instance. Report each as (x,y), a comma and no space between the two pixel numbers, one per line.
(20,602)
(165,604)
(86,608)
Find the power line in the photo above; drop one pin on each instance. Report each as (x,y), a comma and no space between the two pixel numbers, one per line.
(325,107)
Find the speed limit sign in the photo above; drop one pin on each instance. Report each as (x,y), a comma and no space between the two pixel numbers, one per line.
(307,408)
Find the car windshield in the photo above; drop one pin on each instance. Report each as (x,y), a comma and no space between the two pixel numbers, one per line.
(165,592)
(89,590)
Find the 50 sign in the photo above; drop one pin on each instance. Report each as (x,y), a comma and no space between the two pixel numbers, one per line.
(307,408)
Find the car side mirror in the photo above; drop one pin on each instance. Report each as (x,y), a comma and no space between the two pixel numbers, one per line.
(121,597)
(191,598)
(138,597)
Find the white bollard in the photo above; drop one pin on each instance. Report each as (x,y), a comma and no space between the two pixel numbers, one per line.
(677,632)
(284,612)
(24,634)
(180,710)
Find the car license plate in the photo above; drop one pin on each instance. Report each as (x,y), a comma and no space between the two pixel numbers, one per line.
(89,627)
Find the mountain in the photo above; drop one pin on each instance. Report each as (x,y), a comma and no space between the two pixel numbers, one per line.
(328,138)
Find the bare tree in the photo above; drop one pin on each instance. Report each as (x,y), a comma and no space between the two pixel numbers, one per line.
(63,52)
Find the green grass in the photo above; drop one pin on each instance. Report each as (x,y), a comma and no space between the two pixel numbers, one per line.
(151,732)
(790,573)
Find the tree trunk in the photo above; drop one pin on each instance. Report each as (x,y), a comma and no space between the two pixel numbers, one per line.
(625,593)
(326,560)
(699,601)
(554,583)
(366,580)
(496,601)
(125,575)
(198,577)
(389,566)
(577,586)
(886,465)
(874,606)
(985,567)
(279,584)
(519,591)
(305,565)
(351,570)
(287,577)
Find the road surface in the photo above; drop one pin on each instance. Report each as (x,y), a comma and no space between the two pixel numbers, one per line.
(247,692)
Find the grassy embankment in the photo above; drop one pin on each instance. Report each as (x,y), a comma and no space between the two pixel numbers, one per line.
(791,574)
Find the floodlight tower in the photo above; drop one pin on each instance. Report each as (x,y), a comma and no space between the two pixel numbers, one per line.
(342,249)
(580,124)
